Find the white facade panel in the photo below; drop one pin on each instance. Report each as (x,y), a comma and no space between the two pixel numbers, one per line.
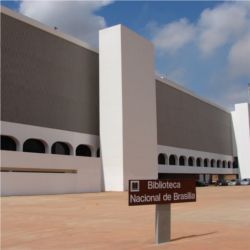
(22,132)
(110,98)
(127,108)
(177,169)
(241,125)
(87,179)
(168,150)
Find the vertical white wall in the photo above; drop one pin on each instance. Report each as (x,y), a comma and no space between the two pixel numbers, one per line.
(128,132)
(241,126)
(111,136)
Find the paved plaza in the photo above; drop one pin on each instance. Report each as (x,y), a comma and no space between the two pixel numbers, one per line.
(220,219)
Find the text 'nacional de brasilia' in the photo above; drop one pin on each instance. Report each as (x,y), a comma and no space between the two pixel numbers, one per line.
(148,192)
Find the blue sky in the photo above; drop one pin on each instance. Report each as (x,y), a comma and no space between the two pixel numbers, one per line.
(204,46)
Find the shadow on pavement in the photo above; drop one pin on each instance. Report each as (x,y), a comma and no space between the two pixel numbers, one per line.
(193,236)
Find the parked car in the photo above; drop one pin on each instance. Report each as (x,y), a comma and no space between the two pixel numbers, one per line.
(245,181)
(234,182)
(222,183)
(201,184)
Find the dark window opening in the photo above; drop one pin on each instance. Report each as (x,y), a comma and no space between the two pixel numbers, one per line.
(7,143)
(98,153)
(235,163)
(33,146)
(198,162)
(212,163)
(83,150)
(60,148)
(161,159)
(229,164)
(224,164)
(206,163)
(191,161)
(182,160)
(172,160)
(218,163)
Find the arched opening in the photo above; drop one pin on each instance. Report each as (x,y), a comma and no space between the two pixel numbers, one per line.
(212,163)
(60,148)
(218,163)
(182,160)
(7,143)
(83,150)
(34,146)
(191,161)
(224,164)
(229,164)
(172,160)
(206,163)
(235,162)
(98,152)
(198,162)
(161,159)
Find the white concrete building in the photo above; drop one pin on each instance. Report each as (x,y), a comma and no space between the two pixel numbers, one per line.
(77,119)
(241,129)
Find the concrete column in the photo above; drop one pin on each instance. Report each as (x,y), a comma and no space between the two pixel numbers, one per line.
(162,223)
(241,127)
(128,131)
(19,144)
(207,178)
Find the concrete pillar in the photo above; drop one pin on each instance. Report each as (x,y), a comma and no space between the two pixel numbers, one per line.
(201,177)
(128,131)
(207,178)
(241,127)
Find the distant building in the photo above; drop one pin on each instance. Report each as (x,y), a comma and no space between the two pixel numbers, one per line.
(74,119)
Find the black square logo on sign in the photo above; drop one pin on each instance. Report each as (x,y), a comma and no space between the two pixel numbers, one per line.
(134,186)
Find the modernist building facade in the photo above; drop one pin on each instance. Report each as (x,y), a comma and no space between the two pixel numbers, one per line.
(77,119)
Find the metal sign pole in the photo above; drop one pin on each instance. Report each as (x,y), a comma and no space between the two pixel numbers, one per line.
(162,223)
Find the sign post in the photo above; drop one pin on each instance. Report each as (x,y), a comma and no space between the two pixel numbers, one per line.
(162,223)
(161,193)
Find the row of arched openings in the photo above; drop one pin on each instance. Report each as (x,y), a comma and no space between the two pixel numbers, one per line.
(38,146)
(191,161)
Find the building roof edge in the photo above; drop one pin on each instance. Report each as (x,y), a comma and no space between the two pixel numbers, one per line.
(46,28)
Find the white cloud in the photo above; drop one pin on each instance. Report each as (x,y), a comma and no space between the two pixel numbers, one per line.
(179,75)
(239,57)
(235,93)
(221,25)
(173,36)
(224,24)
(76,18)
(220,50)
